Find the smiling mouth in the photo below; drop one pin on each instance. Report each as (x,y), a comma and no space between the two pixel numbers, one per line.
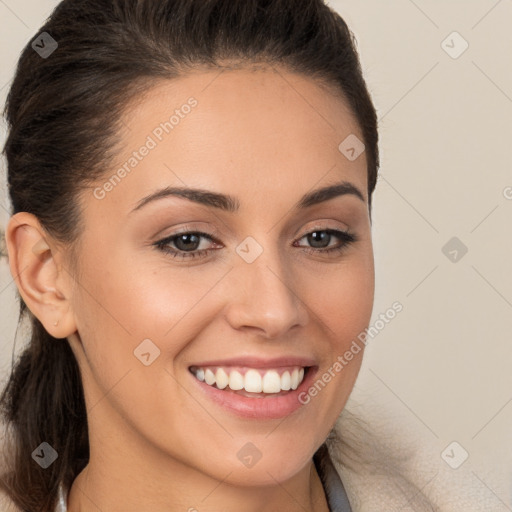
(252,382)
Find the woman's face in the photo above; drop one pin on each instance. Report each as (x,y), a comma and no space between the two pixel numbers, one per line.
(257,285)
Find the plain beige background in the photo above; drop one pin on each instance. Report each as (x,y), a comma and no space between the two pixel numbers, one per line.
(441,369)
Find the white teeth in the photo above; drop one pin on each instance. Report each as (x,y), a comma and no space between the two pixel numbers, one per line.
(285,381)
(295,378)
(221,378)
(209,376)
(271,382)
(236,380)
(253,381)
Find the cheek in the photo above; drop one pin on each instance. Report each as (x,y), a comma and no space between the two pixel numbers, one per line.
(343,296)
(138,300)
(124,303)
(343,299)
(153,300)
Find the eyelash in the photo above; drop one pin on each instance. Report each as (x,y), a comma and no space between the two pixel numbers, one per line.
(346,237)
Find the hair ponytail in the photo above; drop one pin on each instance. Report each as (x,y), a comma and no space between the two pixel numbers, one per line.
(43,401)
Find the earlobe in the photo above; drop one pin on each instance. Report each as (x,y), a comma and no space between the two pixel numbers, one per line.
(35,269)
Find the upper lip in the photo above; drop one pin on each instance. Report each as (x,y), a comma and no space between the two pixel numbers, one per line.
(259,362)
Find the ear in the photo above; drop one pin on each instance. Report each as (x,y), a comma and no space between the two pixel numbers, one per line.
(44,283)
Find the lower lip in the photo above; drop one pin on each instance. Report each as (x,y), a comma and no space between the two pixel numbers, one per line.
(258,408)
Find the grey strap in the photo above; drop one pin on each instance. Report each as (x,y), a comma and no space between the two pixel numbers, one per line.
(335,492)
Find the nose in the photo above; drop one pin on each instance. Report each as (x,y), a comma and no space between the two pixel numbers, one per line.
(262,297)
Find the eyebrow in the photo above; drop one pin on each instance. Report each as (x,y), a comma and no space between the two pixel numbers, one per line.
(232,205)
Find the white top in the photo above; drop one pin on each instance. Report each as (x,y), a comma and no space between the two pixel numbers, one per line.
(62,501)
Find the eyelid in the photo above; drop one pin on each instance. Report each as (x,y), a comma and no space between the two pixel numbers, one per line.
(191,227)
(323,225)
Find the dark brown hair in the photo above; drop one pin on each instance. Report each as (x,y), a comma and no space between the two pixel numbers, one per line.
(63,113)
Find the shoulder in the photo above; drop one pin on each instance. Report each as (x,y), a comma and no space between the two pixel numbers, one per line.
(392,467)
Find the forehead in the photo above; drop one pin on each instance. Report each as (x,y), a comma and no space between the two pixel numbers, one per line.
(255,132)
(265,94)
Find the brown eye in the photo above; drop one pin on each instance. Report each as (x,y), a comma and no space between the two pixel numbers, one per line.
(186,244)
(320,239)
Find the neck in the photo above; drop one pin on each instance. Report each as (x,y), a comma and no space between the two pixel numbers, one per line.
(94,490)
(132,473)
